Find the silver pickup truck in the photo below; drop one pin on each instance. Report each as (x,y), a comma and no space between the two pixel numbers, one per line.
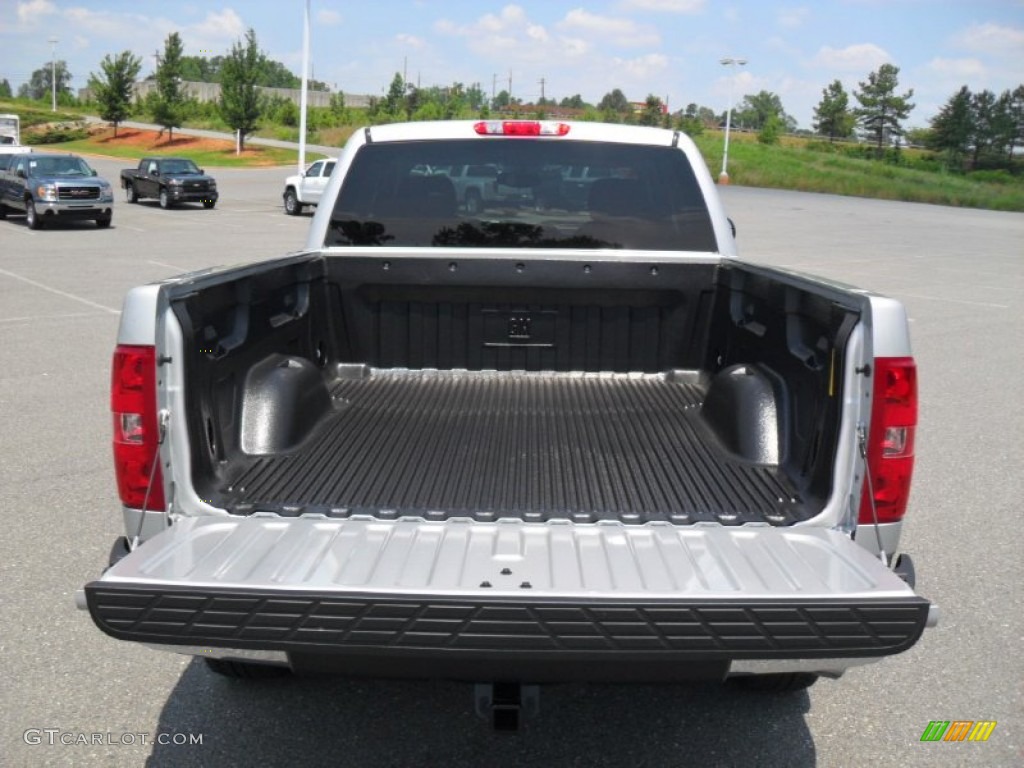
(49,187)
(514,447)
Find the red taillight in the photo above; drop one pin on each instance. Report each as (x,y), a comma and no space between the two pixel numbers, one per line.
(890,447)
(520,128)
(136,437)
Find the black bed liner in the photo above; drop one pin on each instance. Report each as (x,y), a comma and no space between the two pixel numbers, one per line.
(535,446)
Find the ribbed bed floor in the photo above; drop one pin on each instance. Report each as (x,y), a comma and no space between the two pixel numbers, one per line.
(530,445)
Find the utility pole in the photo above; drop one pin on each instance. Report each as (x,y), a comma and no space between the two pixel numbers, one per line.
(510,87)
(542,98)
(494,88)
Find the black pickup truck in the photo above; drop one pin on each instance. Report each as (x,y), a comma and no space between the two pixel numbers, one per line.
(171,180)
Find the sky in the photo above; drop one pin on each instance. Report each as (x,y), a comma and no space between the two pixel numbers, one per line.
(670,48)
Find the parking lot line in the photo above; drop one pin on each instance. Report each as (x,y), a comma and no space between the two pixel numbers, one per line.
(59,292)
(170,266)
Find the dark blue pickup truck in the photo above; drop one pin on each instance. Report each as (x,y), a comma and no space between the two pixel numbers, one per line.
(171,180)
(49,187)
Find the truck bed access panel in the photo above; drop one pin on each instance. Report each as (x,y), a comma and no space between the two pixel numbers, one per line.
(442,388)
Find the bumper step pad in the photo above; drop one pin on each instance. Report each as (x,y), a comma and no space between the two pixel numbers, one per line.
(683,630)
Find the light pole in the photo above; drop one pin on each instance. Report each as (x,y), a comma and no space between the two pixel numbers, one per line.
(53,69)
(723,177)
(302,97)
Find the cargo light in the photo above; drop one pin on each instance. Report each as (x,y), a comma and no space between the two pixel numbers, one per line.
(136,436)
(520,128)
(890,443)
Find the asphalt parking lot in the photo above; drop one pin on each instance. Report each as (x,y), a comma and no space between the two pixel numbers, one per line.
(960,273)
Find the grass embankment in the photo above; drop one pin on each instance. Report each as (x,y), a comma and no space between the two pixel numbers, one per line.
(135,143)
(796,164)
(32,114)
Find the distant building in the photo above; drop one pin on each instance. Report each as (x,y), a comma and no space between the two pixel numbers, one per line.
(641,106)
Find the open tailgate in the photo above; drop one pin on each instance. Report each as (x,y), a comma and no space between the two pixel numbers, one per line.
(338,585)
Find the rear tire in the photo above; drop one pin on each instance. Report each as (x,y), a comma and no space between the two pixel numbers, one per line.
(132,193)
(32,217)
(292,206)
(3,211)
(165,201)
(242,670)
(781,682)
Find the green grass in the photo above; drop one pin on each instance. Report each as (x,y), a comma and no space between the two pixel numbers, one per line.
(32,113)
(793,166)
(254,155)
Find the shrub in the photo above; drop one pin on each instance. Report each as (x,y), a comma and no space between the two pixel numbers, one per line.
(61,132)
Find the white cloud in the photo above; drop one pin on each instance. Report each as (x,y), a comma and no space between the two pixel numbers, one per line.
(574,46)
(508,35)
(226,26)
(792,18)
(863,57)
(616,31)
(992,38)
(107,25)
(411,41)
(34,9)
(957,68)
(537,32)
(327,17)
(667,6)
(642,67)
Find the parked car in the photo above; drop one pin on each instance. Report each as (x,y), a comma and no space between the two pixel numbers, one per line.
(171,180)
(10,137)
(46,187)
(307,188)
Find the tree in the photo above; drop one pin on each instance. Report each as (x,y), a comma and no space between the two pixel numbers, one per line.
(952,127)
(615,101)
(769,133)
(394,102)
(755,110)
(39,86)
(5,89)
(113,90)
(983,106)
(881,109)
(277,75)
(1004,125)
(653,111)
(239,99)
(502,100)
(201,69)
(338,109)
(1016,118)
(573,102)
(168,107)
(832,116)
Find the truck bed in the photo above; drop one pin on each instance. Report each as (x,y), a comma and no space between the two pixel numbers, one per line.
(534,446)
